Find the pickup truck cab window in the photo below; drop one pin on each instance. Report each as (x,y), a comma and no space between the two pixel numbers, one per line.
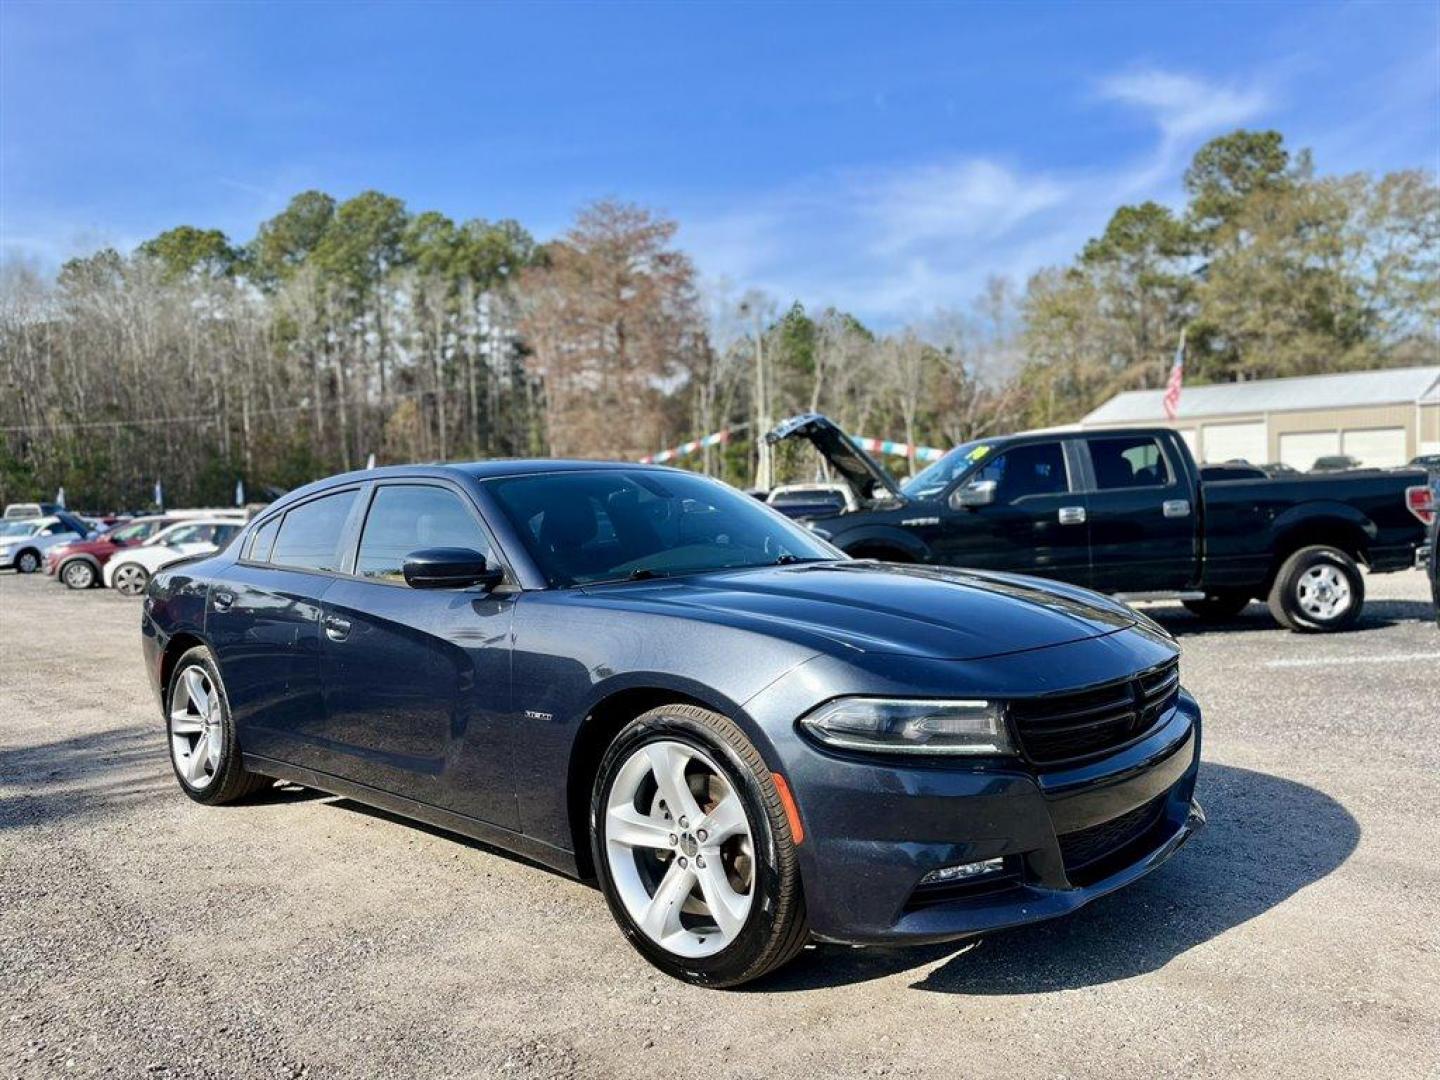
(407,517)
(1129,461)
(1036,469)
(312,535)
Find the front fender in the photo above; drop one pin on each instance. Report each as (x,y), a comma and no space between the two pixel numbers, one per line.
(862,536)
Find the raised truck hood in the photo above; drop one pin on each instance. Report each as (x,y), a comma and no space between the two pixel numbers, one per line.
(866,476)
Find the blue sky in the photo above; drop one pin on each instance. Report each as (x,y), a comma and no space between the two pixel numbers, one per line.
(882,157)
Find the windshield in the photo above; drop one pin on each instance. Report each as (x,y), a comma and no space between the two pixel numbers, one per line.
(18,528)
(930,481)
(137,531)
(618,524)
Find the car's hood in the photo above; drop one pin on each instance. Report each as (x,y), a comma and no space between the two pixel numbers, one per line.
(882,608)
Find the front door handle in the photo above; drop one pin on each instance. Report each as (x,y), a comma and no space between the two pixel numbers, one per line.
(336,628)
(1072,515)
(222,600)
(1176,508)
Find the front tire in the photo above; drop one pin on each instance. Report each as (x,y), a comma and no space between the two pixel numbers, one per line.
(694,851)
(204,751)
(27,562)
(1319,589)
(130,579)
(78,574)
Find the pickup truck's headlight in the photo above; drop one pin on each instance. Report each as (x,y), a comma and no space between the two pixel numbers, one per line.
(910,726)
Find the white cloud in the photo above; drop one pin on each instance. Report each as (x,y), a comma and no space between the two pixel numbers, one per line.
(1183,105)
(894,244)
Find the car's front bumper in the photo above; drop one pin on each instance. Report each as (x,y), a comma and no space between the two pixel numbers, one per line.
(874,830)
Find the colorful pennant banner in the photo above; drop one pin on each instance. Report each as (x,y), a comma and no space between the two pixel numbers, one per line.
(715,438)
(870,446)
(896,449)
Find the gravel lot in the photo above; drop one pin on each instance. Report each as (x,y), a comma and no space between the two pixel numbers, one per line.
(299,935)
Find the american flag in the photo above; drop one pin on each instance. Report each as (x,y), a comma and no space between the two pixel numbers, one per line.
(1177,377)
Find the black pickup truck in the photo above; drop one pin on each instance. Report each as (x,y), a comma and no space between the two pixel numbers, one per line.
(1125,511)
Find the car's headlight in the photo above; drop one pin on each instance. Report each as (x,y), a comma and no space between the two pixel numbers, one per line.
(911,726)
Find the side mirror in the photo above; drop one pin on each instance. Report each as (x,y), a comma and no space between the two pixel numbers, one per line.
(449,568)
(980,493)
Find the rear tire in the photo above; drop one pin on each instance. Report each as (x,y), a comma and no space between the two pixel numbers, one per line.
(1319,589)
(1218,606)
(78,574)
(204,750)
(27,562)
(706,763)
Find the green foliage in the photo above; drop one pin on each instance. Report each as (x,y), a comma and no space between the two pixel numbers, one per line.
(287,240)
(186,251)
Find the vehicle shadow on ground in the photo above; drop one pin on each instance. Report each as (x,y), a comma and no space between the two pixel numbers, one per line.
(79,775)
(1377,615)
(1268,838)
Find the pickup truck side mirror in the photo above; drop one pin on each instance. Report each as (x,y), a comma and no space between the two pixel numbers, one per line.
(979,493)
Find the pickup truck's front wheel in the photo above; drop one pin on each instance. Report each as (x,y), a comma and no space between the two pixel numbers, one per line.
(1318,589)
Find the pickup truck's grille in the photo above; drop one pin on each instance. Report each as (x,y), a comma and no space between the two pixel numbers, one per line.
(1085,851)
(1065,728)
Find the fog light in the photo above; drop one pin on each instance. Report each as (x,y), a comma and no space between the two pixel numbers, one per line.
(948,875)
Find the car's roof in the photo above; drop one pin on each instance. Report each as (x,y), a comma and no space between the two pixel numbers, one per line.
(479,470)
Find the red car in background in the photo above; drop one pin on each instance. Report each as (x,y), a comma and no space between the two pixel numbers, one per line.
(78,564)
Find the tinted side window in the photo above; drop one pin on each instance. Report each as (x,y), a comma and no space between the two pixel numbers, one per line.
(311,535)
(405,518)
(1128,461)
(263,541)
(224,534)
(1038,469)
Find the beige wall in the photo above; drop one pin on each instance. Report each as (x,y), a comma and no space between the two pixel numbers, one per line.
(1339,420)
(1429,428)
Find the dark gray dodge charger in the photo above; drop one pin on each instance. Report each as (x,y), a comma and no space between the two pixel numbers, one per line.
(643,676)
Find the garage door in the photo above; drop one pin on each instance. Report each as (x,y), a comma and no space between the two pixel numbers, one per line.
(1377,448)
(1299,449)
(1237,442)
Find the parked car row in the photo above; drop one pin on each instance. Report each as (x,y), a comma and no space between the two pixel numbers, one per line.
(123,556)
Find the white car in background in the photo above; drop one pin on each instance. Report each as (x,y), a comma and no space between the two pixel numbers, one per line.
(130,570)
(24,541)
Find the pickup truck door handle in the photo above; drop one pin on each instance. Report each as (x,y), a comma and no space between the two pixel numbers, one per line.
(336,628)
(1072,515)
(1176,508)
(222,600)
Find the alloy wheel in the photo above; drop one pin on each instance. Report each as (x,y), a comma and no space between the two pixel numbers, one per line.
(1323,592)
(130,579)
(79,575)
(197,732)
(28,562)
(679,849)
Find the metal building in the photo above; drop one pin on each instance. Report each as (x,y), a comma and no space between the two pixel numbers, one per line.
(1384,418)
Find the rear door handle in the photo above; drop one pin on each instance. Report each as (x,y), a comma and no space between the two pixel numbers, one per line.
(336,629)
(1072,515)
(222,600)
(1176,508)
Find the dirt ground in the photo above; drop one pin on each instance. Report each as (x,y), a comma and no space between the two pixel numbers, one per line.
(300,935)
